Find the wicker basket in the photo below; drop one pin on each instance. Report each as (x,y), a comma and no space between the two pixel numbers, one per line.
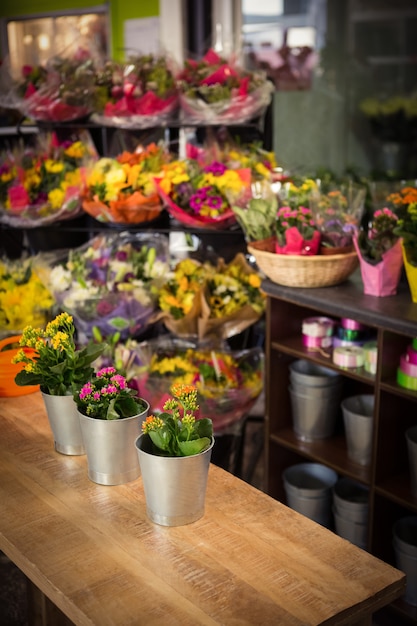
(305,271)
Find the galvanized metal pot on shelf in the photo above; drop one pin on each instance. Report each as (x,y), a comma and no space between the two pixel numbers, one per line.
(110,447)
(65,424)
(175,487)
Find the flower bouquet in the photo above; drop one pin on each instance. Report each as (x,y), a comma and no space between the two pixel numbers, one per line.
(208,301)
(392,119)
(380,254)
(24,299)
(200,196)
(228,382)
(140,93)
(405,203)
(122,190)
(215,91)
(42,185)
(62,91)
(112,283)
(256,212)
(337,215)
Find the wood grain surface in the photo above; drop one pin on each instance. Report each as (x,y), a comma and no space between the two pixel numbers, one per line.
(93,552)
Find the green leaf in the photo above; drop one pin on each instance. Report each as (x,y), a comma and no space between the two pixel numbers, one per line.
(204,427)
(189,448)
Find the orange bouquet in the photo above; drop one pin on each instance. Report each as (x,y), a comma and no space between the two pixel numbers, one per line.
(122,190)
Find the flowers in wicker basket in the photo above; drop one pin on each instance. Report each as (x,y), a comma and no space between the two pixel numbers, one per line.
(217,91)
(24,299)
(112,283)
(204,300)
(122,189)
(43,184)
(141,92)
(228,381)
(200,195)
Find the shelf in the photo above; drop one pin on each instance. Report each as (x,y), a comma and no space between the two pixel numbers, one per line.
(394,321)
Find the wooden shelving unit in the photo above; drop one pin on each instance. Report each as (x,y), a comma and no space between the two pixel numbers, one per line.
(394,321)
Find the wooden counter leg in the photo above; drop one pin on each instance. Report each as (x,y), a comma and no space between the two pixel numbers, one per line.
(41,611)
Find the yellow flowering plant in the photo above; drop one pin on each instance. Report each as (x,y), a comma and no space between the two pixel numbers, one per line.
(43,184)
(179,433)
(24,299)
(57,365)
(199,195)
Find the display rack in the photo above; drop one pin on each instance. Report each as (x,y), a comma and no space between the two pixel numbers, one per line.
(394,321)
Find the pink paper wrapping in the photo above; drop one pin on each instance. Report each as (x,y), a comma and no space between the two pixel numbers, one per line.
(381,279)
(295,244)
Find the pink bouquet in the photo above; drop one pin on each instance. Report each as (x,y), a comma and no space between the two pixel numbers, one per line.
(216,91)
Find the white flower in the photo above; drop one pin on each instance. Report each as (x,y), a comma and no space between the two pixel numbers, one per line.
(60,279)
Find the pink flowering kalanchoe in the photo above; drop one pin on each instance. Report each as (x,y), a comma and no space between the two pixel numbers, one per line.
(107,396)
(296,232)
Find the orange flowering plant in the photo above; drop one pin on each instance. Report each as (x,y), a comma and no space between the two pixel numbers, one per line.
(405,203)
(179,433)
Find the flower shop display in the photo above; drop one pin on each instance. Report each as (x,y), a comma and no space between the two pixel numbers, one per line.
(211,301)
(228,381)
(44,184)
(24,299)
(112,283)
(58,366)
(140,93)
(200,196)
(110,415)
(337,214)
(122,190)
(380,254)
(405,204)
(174,453)
(214,90)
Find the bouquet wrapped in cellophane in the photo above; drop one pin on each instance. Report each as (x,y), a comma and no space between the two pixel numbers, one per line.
(139,93)
(228,381)
(215,90)
(112,283)
(200,196)
(44,184)
(123,189)
(208,301)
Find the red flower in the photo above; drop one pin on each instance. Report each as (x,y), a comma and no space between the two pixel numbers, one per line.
(18,198)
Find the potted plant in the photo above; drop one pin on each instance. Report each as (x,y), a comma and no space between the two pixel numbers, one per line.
(296,232)
(380,255)
(174,453)
(405,202)
(58,367)
(110,416)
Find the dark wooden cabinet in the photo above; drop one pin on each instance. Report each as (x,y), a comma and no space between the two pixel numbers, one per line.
(394,322)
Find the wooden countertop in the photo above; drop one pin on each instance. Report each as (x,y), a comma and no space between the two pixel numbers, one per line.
(93,552)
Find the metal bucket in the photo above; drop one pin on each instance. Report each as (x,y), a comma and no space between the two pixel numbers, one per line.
(314,416)
(358,420)
(405,547)
(304,373)
(65,424)
(354,532)
(110,448)
(308,487)
(350,500)
(175,487)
